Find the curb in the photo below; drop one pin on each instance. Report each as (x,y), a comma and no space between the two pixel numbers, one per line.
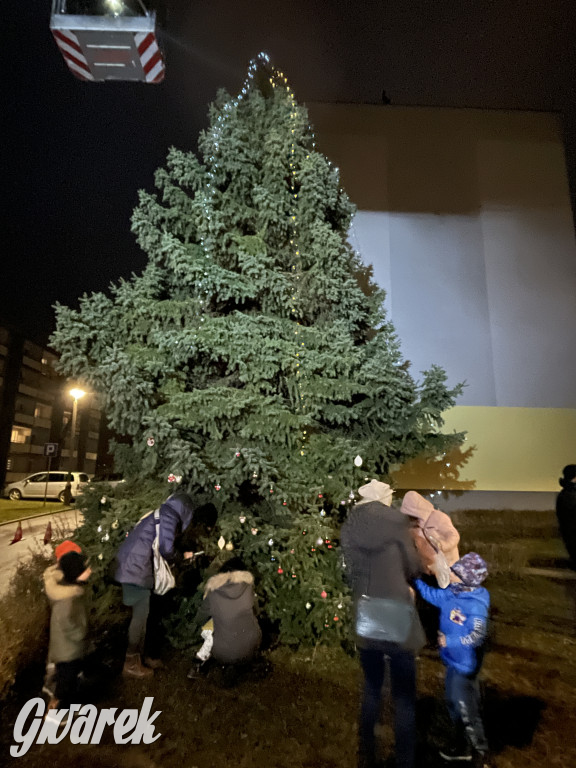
(34,517)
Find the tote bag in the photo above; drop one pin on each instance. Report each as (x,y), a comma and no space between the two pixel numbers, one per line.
(164,579)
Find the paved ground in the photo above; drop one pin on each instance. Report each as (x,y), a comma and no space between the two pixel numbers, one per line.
(33,530)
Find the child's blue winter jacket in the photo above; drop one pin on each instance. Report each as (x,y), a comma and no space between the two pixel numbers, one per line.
(463,622)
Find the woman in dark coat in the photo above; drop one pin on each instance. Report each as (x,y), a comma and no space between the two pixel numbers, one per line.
(380,560)
(566,510)
(135,570)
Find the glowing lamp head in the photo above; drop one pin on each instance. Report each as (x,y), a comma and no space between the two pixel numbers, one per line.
(77,393)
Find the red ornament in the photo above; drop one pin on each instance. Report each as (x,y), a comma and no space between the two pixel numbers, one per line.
(280,570)
(237,454)
(323,594)
(320,496)
(313,549)
(329,546)
(336,618)
(284,503)
(217,487)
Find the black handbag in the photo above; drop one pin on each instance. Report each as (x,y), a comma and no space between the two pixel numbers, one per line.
(389,620)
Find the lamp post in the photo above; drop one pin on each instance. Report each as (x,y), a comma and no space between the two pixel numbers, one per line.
(76,394)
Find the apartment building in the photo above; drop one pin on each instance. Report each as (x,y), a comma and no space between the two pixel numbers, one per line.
(37,413)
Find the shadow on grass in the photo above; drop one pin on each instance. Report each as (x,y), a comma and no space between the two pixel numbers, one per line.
(510,721)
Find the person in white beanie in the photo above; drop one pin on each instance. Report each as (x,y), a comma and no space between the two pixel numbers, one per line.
(381,560)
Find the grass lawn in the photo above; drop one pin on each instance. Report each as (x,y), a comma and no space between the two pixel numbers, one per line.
(13,510)
(303,714)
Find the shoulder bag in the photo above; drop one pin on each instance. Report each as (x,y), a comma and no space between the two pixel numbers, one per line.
(164,579)
(389,620)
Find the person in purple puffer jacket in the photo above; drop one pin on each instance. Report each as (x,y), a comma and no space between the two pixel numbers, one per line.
(135,570)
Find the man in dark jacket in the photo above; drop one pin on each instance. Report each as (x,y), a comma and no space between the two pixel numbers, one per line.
(566,510)
(135,571)
(380,559)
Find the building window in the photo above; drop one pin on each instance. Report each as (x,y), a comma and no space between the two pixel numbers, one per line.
(42,411)
(9,465)
(20,435)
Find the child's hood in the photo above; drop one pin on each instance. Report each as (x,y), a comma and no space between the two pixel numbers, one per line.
(232,584)
(415,505)
(55,588)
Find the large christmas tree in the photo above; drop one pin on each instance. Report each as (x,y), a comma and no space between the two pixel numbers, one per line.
(252,360)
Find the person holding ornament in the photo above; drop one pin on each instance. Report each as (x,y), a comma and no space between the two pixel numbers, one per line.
(65,586)
(431,530)
(380,560)
(229,601)
(464,606)
(566,510)
(436,540)
(135,572)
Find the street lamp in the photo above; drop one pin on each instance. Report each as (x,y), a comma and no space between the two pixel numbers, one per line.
(76,394)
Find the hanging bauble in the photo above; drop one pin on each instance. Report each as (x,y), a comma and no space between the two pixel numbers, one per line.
(351,495)
(323,594)
(284,503)
(254,474)
(115,524)
(319,541)
(254,531)
(308,606)
(217,487)
(320,495)
(358,461)
(229,546)
(336,618)
(280,570)
(270,542)
(237,454)
(171,478)
(340,605)
(293,575)
(150,442)
(242,519)
(103,500)
(322,513)
(271,489)
(221,542)
(177,478)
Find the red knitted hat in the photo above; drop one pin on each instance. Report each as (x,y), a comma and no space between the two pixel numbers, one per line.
(66,546)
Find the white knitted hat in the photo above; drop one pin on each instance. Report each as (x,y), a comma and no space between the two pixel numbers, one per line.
(376,490)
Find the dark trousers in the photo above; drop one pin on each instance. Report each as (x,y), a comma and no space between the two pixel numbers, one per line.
(463,700)
(66,691)
(402,667)
(146,630)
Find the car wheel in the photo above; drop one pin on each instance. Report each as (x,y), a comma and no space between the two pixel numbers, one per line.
(15,495)
(62,497)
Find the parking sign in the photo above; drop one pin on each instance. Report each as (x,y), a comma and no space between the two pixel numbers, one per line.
(51,449)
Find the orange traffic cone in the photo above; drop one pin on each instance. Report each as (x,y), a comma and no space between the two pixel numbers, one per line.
(17,535)
(48,533)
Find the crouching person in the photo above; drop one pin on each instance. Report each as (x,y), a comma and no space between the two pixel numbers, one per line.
(65,584)
(229,600)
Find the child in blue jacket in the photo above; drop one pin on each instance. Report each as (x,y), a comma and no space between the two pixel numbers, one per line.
(464,607)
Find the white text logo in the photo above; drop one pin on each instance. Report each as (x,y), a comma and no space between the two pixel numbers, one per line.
(84,725)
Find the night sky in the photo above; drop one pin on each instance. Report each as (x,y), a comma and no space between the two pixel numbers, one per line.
(75,154)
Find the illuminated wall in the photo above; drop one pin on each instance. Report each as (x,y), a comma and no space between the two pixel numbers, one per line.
(465,217)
